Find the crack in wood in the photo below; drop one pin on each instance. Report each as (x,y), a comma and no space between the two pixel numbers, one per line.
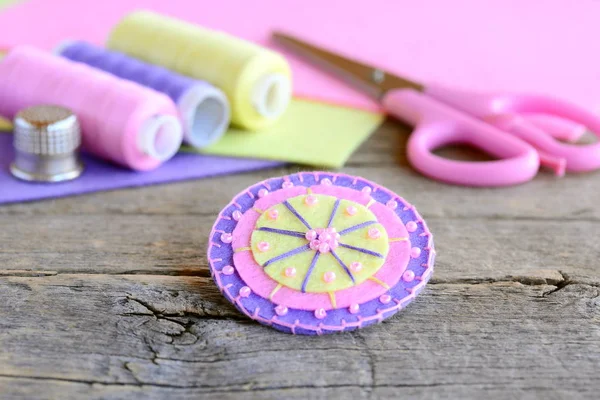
(131,372)
(201,271)
(220,389)
(513,218)
(559,285)
(528,280)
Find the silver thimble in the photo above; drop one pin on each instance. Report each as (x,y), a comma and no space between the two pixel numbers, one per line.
(46,141)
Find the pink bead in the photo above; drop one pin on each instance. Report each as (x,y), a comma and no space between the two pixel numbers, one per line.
(374,233)
(329,276)
(385,298)
(311,200)
(262,193)
(411,226)
(311,235)
(263,246)
(393,204)
(351,210)
(245,291)
(366,190)
(287,185)
(324,248)
(326,182)
(226,237)
(354,308)
(322,239)
(415,252)
(281,310)
(356,266)
(320,313)
(228,270)
(290,272)
(237,215)
(408,276)
(325,237)
(273,214)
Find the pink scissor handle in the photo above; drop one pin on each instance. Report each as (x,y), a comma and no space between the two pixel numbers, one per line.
(558,128)
(506,111)
(437,125)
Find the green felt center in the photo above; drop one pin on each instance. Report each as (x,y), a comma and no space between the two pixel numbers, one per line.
(317,216)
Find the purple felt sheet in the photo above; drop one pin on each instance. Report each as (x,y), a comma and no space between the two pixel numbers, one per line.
(99,175)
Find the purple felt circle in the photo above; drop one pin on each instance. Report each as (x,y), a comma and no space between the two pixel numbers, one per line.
(253,300)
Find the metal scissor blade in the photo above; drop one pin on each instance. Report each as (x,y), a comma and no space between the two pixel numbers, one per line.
(374,81)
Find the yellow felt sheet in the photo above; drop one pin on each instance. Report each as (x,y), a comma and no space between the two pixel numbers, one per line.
(310,133)
(4,3)
(5,125)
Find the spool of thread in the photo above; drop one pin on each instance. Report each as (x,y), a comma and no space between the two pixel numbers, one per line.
(256,80)
(203,109)
(121,121)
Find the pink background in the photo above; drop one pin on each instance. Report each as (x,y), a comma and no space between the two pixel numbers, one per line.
(546,46)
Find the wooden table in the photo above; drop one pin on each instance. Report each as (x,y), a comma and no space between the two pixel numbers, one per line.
(108,295)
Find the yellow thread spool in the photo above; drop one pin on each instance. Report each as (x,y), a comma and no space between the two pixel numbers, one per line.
(256,80)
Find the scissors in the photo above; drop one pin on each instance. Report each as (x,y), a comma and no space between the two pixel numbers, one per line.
(497,123)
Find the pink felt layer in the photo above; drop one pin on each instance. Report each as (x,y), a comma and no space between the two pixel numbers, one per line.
(278,197)
(243,230)
(399,252)
(388,218)
(342,193)
(263,285)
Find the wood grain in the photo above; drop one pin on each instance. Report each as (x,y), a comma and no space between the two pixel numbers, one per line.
(107,296)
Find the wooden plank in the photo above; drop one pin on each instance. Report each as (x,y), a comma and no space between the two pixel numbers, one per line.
(107,296)
(176,245)
(157,333)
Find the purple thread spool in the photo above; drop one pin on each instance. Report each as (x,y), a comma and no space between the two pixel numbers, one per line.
(203,108)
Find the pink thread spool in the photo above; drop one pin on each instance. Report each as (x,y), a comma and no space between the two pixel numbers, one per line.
(121,121)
